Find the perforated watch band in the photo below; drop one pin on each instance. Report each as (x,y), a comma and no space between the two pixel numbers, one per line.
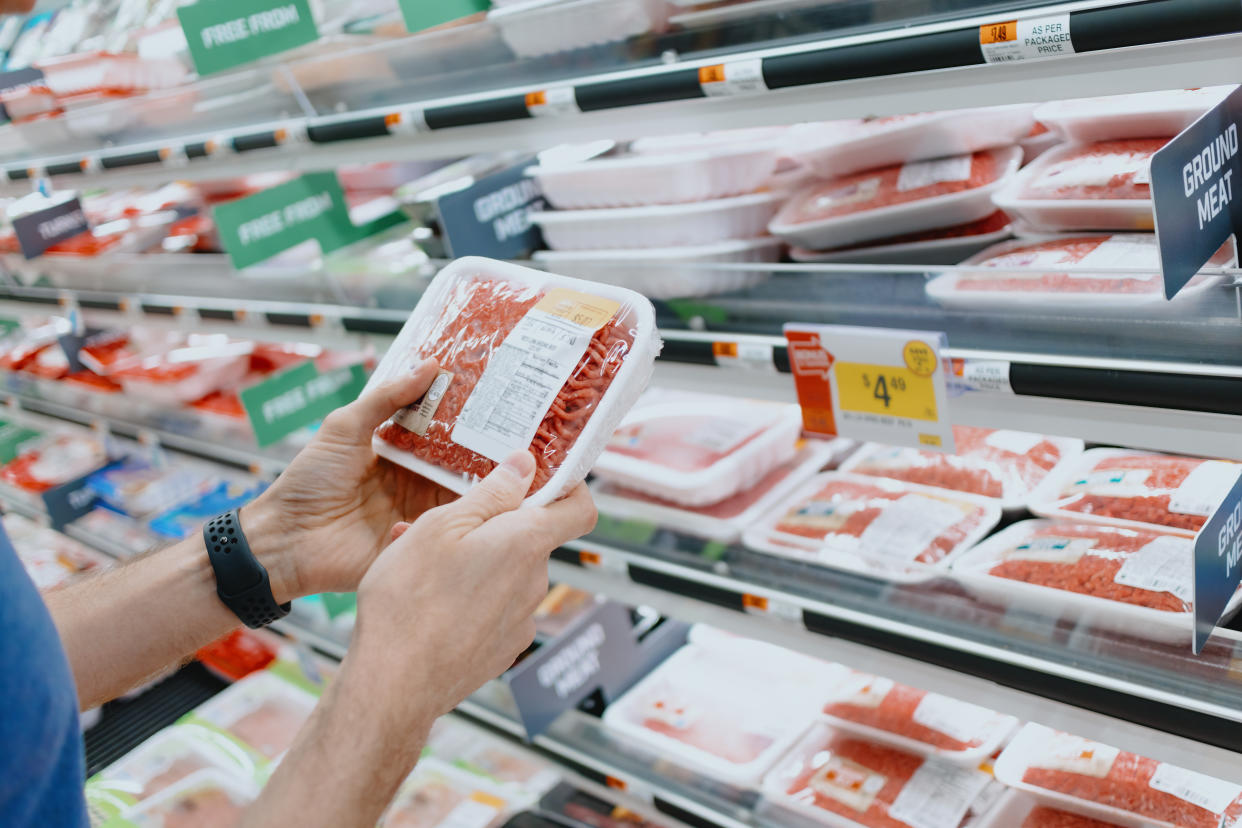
(241,581)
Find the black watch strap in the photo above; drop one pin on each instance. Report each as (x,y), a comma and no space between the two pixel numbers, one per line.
(241,581)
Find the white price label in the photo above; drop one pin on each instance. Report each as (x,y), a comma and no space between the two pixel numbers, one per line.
(1037,37)
(746,355)
(742,77)
(882,385)
(1204,488)
(552,102)
(986,375)
(1205,792)
(406,122)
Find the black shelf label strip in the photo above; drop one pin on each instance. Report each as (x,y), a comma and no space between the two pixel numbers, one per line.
(132,159)
(1183,392)
(492,110)
(255,141)
(719,596)
(371,127)
(675,85)
(65,168)
(198,149)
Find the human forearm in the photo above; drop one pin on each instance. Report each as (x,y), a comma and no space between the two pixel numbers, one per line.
(364,737)
(126,625)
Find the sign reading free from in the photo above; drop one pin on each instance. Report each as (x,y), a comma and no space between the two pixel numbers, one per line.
(222,34)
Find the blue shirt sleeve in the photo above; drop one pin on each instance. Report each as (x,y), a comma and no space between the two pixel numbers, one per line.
(41,758)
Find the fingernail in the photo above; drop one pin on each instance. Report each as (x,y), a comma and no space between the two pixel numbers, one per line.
(519,464)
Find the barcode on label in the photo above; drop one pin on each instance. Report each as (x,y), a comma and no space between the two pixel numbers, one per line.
(1206,792)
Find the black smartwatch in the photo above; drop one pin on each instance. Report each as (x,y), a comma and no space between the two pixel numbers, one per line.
(241,581)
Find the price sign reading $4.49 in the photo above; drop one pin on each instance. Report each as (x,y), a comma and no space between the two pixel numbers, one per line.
(872,384)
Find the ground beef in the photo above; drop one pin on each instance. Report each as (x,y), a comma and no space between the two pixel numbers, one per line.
(674,442)
(731,506)
(1093,573)
(425,807)
(1165,473)
(709,733)
(994,223)
(894,765)
(474,323)
(210,808)
(873,189)
(1042,816)
(853,506)
(271,728)
(1104,170)
(978,467)
(895,714)
(1126,786)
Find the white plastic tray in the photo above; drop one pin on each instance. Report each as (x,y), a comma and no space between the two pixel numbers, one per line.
(698,141)
(1057,215)
(1047,500)
(775,428)
(1035,740)
(762,536)
(1014,500)
(240,792)
(660,225)
(971,570)
(612,500)
(1034,146)
(1139,115)
(544,27)
(626,386)
(777,688)
(237,701)
(809,750)
(995,729)
(947,251)
(840,148)
(899,219)
(670,272)
(636,180)
(1011,810)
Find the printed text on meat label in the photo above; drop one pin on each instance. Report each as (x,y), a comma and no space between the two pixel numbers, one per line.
(525,373)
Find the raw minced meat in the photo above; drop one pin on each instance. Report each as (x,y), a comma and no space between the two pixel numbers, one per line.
(844,509)
(1104,170)
(671,441)
(1127,786)
(731,506)
(1159,474)
(1041,816)
(424,807)
(475,321)
(203,808)
(873,189)
(271,727)
(993,223)
(1047,558)
(987,463)
(895,714)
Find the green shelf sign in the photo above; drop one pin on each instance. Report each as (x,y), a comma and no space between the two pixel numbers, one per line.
(223,34)
(312,206)
(424,14)
(295,398)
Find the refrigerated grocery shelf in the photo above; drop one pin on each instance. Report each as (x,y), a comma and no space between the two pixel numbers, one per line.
(891,67)
(1092,702)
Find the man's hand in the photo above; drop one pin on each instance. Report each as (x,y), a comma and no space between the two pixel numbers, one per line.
(459,586)
(326,518)
(447,606)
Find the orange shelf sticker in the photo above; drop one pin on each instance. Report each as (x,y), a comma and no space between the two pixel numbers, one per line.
(1005,32)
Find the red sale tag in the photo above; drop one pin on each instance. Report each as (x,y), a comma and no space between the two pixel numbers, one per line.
(811,364)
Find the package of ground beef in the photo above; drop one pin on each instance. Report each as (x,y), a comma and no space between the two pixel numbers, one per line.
(528,360)
(698,449)
(263,711)
(161,762)
(1127,581)
(875,526)
(1139,490)
(1097,780)
(724,520)
(944,245)
(208,797)
(686,710)
(1101,271)
(892,201)
(438,794)
(1005,465)
(915,720)
(1017,809)
(843,781)
(1137,115)
(1101,186)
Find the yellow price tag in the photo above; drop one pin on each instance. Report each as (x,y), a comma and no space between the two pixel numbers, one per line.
(886,390)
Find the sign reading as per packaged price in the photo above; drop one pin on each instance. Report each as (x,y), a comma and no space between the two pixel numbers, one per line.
(876,384)
(295,398)
(222,34)
(1009,41)
(311,207)
(1218,552)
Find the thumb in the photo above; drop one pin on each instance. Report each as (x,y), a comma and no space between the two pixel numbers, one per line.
(501,491)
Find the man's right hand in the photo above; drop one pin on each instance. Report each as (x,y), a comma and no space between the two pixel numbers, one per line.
(448,605)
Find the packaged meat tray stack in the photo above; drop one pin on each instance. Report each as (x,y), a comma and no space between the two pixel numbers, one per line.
(724,520)
(206,797)
(1100,272)
(842,781)
(1006,466)
(892,201)
(1096,780)
(49,557)
(873,526)
(1020,810)
(484,321)
(1127,580)
(263,712)
(667,215)
(1139,115)
(687,709)
(916,721)
(1105,185)
(1137,490)
(945,245)
(439,794)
